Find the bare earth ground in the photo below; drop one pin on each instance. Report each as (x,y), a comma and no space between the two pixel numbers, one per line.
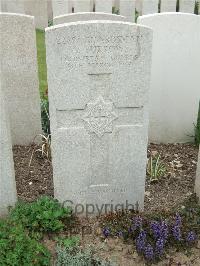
(34,178)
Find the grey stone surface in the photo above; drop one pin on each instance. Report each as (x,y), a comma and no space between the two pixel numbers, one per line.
(186,6)
(174,93)
(38,9)
(60,7)
(82,6)
(85,16)
(168,6)
(127,9)
(19,76)
(103,6)
(98,90)
(197,183)
(150,7)
(14,6)
(8,195)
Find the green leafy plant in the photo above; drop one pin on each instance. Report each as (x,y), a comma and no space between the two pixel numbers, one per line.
(197,129)
(155,168)
(78,257)
(45,115)
(69,242)
(17,248)
(44,215)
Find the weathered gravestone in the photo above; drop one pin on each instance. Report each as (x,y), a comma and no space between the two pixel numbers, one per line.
(186,6)
(19,76)
(14,6)
(174,93)
(103,6)
(8,194)
(197,184)
(98,76)
(85,16)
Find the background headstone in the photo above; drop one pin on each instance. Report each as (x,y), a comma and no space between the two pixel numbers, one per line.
(8,195)
(14,6)
(174,93)
(186,6)
(127,9)
(197,184)
(82,6)
(37,9)
(85,16)
(98,91)
(150,7)
(60,7)
(103,6)
(168,6)
(19,76)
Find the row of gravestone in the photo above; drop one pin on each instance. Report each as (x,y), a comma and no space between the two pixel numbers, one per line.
(98,95)
(124,7)
(45,10)
(174,92)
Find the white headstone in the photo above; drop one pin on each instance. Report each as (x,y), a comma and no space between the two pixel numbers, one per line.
(82,6)
(8,195)
(186,6)
(20,76)
(85,16)
(197,183)
(175,93)
(150,7)
(38,9)
(60,7)
(98,90)
(14,6)
(103,6)
(138,6)
(168,6)
(127,9)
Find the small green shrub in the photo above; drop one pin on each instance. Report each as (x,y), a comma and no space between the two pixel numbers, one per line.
(155,168)
(77,257)
(197,129)
(18,249)
(70,242)
(44,215)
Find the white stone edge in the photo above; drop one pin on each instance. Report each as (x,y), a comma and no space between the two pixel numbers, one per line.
(166,13)
(88,13)
(68,24)
(16,15)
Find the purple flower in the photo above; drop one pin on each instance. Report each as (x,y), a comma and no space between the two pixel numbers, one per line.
(160,230)
(176,232)
(137,222)
(159,247)
(106,232)
(148,252)
(191,237)
(141,241)
(178,219)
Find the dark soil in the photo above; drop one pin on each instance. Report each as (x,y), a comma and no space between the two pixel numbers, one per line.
(34,176)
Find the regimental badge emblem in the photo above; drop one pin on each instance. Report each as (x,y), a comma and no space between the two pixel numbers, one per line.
(99,116)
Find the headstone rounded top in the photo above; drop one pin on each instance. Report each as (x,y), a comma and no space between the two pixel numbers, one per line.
(85,16)
(97,22)
(166,14)
(6,14)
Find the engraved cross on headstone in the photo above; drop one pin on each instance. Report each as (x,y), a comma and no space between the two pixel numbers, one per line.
(100,118)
